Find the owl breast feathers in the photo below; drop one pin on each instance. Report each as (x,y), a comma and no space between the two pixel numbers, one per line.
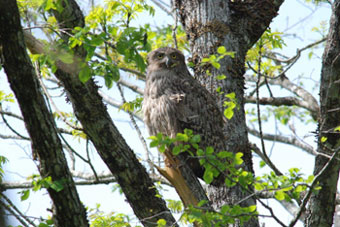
(174,101)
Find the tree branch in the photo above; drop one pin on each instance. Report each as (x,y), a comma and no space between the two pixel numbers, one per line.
(285,139)
(280,101)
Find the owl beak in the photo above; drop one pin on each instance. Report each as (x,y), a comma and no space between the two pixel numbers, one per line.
(168,62)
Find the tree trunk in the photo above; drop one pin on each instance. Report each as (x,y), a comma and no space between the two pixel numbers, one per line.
(67,208)
(111,146)
(322,204)
(237,26)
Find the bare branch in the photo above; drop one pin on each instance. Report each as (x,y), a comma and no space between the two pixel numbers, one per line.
(264,154)
(115,103)
(162,6)
(291,140)
(87,179)
(315,181)
(284,82)
(133,87)
(298,52)
(14,210)
(280,101)
(139,133)
(37,71)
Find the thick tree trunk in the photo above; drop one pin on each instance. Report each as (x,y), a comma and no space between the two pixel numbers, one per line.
(67,208)
(111,146)
(322,205)
(237,26)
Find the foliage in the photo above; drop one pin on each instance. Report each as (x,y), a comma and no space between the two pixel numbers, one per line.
(99,219)
(268,42)
(133,106)
(39,183)
(3,160)
(285,187)
(214,59)
(6,97)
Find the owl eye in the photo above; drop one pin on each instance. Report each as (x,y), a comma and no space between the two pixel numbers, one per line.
(160,56)
(173,56)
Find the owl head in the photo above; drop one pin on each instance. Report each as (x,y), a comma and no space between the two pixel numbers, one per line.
(165,58)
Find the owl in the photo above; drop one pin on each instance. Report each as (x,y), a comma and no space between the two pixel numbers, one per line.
(174,101)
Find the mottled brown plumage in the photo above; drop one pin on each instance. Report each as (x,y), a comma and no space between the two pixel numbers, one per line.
(174,101)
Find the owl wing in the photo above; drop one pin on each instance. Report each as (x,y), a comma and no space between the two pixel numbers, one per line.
(197,110)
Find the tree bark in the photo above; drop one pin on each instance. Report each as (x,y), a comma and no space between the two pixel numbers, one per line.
(322,204)
(237,26)
(111,146)
(67,208)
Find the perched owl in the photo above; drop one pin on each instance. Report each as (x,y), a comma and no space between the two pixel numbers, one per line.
(174,101)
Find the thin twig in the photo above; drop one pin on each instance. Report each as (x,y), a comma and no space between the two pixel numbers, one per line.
(267,159)
(16,210)
(147,152)
(309,193)
(89,159)
(174,28)
(78,155)
(162,7)
(37,70)
(10,127)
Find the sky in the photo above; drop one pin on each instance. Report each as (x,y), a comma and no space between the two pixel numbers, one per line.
(295,18)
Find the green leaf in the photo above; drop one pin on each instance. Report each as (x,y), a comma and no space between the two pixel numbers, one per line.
(216,65)
(310,54)
(50,221)
(208,176)
(224,154)
(262,163)
(337,129)
(182,137)
(24,195)
(85,73)
(299,188)
(161,148)
(231,95)
(209,150)
(228,113)
(195,139)
(202,202)
(221,77)
(238,158)
(258,186)
(280,195)
(310,179)
(221,50)
(161,223)
(323,139)
(228,182)
(153,138)
(176,150)
(49,4)
(252,208)
(225,209)
(191,64)
(154,143)
(200,152)
(57,186)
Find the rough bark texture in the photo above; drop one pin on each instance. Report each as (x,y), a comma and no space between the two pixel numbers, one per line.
(67,208)
(236,25)
(322,204)
(111,146)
